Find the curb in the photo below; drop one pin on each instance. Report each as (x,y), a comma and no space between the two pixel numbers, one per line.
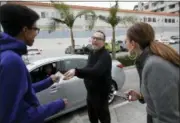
(129,67)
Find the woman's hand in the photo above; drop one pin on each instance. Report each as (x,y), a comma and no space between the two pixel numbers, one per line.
(133,95)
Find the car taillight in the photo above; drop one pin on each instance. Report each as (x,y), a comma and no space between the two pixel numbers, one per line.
(120,66)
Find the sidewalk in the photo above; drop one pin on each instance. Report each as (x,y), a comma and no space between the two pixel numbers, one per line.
(123,113)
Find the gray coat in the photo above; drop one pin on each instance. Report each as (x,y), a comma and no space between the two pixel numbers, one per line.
(160,84)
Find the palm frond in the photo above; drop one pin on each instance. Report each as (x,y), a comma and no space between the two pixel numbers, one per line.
(53,24)
(104,18)
(68,15)
(91,21)
(62,8)
(58,20)
(69,20)
(113,10)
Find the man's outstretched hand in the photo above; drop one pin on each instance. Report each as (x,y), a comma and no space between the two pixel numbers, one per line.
(69,74)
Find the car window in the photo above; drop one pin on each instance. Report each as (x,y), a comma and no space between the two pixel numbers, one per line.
(73,63)
(40,73)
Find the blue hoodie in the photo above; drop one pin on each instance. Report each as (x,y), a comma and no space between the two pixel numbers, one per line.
(18,101)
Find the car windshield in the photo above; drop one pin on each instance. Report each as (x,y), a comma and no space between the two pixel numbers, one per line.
(175,37)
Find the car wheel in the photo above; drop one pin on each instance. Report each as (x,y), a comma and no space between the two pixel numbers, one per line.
(112,93)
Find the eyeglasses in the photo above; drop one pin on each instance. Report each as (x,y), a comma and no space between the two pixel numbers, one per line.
(36,29)
(96,38)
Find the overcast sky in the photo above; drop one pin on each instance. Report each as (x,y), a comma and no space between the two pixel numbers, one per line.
(123,5)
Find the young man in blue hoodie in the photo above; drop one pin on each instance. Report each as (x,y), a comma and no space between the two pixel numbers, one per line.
(18,101)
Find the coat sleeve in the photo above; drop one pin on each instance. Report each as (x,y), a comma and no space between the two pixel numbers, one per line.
(97,70)
(43,84)
(163,91)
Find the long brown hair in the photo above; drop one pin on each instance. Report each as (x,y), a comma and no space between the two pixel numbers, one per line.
(143,34)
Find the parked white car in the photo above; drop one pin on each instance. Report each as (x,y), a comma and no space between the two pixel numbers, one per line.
(166,41)
(73,89)
(175,38)
(34,51)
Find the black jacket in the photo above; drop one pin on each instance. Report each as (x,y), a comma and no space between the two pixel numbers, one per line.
(97,73)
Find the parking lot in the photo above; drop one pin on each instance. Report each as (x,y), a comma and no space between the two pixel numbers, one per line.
(121,111)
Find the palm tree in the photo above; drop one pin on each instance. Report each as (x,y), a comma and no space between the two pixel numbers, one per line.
(114,20)
(69,19)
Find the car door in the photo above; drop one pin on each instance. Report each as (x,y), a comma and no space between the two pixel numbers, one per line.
(74,88)
(51,93)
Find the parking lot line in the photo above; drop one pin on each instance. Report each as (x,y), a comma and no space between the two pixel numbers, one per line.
(119,105)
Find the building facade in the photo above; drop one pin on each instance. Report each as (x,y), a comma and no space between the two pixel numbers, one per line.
(159,6)
(161,22)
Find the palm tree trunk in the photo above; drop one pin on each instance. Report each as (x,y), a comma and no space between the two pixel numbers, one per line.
(113,44)
(72,41)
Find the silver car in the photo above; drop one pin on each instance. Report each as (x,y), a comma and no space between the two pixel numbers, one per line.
(73,89)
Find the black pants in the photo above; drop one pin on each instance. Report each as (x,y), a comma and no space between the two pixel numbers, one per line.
(149,119)
(98,109)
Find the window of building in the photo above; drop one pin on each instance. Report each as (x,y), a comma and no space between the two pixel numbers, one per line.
(154,19)
(53,14)
(162,9)
(169,20)
(149,19)
(161,2)
(145,19)
(46,14)
(166,20)
(172,6)
(173,20)
(154,4)
(86,17)
(62,15)
(146,7)
(43,14)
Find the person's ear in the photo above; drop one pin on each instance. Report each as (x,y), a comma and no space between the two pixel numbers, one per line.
(134,44)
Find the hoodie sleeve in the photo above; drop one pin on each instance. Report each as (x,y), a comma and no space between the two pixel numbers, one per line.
(97,70)
(12,87)
(41,85)
(12,90)
(40,113)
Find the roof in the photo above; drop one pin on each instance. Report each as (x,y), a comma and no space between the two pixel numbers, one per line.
(34,64)
(40,4)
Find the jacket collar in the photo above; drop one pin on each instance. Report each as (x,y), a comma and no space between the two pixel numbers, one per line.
(140,61)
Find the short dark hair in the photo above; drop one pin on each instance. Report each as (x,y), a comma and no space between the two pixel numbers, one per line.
(14,17)
(104,36)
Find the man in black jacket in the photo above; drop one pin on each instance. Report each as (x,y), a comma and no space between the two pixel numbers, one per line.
(97,79)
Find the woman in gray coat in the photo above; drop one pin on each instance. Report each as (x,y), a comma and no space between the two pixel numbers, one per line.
(158,66)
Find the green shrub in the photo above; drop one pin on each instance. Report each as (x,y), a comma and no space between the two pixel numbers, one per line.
(125,60)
